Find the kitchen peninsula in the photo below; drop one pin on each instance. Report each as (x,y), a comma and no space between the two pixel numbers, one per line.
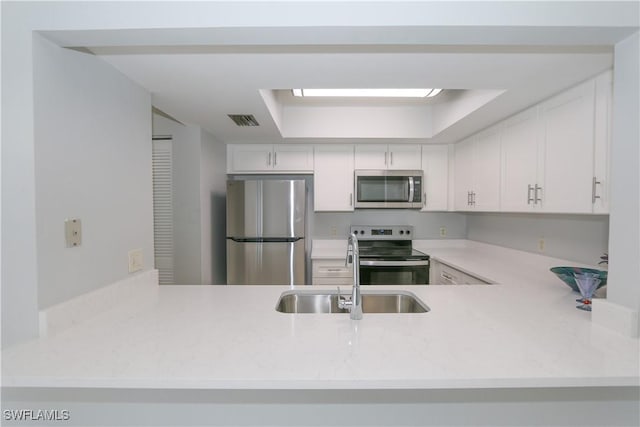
(521,333)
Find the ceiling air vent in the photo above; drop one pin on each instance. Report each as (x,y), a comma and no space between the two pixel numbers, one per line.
(244,119)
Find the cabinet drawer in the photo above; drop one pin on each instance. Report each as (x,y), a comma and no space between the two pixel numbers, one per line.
(451,276)
(331,269)
(337,281)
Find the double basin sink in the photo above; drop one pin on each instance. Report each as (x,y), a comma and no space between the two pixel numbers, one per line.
(312,301)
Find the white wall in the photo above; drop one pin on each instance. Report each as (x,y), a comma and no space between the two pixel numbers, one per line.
(213,189)
(92,131)
(580,238)
(624,241)
(426,225)
(19,259)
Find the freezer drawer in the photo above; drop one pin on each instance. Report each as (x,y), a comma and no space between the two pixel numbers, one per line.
(265,263)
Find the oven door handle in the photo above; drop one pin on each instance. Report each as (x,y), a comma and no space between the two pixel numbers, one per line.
(367,263)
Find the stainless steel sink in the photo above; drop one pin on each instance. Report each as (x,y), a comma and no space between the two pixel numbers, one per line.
(310,301)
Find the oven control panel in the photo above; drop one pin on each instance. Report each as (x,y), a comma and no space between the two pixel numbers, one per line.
(383,232)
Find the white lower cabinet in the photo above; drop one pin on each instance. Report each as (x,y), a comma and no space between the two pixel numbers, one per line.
(331,272)
(443,274)
(333,183)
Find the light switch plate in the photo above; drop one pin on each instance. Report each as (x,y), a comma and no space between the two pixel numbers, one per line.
(73,232)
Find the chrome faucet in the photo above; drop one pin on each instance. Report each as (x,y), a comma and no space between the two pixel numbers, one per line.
(355,304)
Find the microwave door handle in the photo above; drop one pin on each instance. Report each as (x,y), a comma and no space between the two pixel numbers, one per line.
(412,189)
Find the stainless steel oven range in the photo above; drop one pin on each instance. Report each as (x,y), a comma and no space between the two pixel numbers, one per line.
(387,256)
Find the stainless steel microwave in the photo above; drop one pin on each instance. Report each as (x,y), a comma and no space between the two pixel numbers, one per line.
(396,189)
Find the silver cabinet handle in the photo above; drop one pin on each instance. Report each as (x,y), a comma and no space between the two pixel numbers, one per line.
(385,158)
(367,263)
(269,159)
(535,194)
(350,199)
(391,157)
(424,199)
(529,190)
(275,158)
(594,196)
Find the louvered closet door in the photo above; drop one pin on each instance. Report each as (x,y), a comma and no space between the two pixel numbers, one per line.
(163,209)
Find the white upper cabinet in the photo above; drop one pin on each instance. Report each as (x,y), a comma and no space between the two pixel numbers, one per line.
(520,162)
(261,158)
(333,183)
(477,172)
(463,174)
(567,126)
(602,137)
(555,156)
(435,165)
(391,156)
(486,171)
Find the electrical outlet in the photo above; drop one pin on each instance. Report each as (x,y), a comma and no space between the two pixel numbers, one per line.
(135,260)
(443,231)
(73,232)
(541,245)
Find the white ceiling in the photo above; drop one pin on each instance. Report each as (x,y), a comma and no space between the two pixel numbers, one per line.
(199,76)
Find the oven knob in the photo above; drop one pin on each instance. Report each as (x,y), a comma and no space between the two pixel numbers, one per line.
(401,231)
(408,231)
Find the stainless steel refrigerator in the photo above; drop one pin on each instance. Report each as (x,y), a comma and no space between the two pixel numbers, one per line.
(265,232)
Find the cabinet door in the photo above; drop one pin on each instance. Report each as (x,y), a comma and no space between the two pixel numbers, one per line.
(519,161)
(463,173)
(333,178)
(293,158)
(249,158)
(404,156)
(602,141)
(567,125)
(435,164)
(371,156)
(486,171)
(434,273)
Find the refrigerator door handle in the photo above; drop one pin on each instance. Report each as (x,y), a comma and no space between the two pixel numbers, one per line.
(265,239)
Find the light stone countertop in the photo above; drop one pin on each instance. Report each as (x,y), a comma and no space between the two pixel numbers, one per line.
(525,333)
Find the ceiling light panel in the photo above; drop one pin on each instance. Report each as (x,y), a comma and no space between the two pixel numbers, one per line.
(367,93)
